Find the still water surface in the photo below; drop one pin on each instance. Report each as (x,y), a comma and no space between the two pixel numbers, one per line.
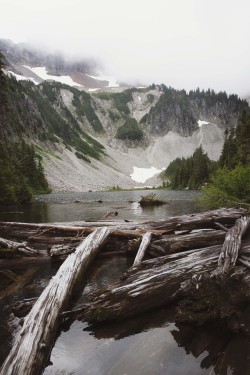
(93,205)
(152,343)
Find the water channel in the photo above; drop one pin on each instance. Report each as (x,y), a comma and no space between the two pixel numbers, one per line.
(152,343)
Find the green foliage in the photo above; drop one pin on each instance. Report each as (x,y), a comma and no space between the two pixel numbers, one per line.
(129,130)
(121,99)
(228,188)
(230,184)
(114,116)
(150,200)
(82,102)
(192,172)
(150,98)
(81,156)
(21,173)
(3,87)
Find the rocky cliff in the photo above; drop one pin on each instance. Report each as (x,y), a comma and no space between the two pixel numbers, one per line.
(95,141)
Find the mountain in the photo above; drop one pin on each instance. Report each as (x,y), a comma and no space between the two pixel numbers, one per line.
(28,63)
(90,141)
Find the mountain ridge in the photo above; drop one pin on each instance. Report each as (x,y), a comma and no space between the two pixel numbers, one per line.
(91,141)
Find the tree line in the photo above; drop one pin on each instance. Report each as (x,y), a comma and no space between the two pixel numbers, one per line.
(223,183)
(21,171)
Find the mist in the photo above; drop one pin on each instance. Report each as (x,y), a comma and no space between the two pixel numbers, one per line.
(182,43)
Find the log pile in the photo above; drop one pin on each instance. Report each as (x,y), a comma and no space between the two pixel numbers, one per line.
(180,260)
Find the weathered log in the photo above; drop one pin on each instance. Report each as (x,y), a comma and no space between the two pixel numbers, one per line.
(145,242)
(184,222)
(32,343)
(195,240)
(231,246)
(158,282)
(147,288)
(20,247)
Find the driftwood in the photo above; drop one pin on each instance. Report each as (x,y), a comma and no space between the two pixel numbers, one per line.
(20,247)
(145,242)
(159,282)
(231,246)
(120,229)
(32,343)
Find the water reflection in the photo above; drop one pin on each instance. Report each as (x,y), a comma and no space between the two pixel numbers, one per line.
(94,205)
(152,343)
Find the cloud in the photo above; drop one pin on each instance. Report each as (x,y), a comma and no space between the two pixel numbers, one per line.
(182,43)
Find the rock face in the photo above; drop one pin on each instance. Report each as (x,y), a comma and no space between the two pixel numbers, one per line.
(76,132)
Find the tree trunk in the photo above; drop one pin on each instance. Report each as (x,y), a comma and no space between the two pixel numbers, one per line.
(32,343)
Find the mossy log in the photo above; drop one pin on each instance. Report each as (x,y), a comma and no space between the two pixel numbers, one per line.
(33,342)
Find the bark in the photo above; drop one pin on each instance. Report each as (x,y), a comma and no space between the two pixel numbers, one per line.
(32,343)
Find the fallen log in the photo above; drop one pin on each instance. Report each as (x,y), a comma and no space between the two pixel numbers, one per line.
(160,281)
(32,343)
(231,246)
(130,230)
(194,240)
(19,247)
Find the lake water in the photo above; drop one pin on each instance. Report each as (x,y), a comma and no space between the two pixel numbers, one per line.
(94,205)
(152,343)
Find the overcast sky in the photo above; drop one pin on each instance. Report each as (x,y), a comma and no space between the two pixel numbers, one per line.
(182,43)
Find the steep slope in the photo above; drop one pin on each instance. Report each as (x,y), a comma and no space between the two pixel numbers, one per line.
(98,141)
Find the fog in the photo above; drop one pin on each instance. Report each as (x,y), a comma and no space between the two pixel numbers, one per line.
(182,43)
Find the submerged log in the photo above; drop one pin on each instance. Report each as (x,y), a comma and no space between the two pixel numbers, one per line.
(231,246)
(19,247)
(32,343)
(158,282)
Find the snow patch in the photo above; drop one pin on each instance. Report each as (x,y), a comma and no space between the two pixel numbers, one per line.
(143,174)
(93,90)
(23,78)
(111,80)
(42,73)
(139,98)
(200,123)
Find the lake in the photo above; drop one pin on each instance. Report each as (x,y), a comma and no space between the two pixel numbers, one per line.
(152,343)
(91,206)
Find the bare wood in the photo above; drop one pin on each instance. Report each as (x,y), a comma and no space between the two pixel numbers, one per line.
(231,246)
(184,222)
(32,343)
(150,285)
(176,243)
(157,282)
(145,242)
(18,247)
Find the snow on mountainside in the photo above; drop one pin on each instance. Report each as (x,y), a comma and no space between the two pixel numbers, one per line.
(114,137)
